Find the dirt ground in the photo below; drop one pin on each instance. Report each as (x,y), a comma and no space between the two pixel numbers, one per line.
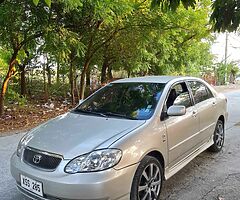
(21,118)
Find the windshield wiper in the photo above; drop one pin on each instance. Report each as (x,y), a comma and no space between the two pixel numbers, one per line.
(90,112)
(119,115)
(105,114)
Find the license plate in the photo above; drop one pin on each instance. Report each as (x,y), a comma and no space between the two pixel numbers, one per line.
(31,185)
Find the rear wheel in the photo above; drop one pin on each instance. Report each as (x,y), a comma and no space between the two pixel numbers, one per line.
(147,182)
(218,137)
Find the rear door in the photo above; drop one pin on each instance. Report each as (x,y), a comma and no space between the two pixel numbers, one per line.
(205,104)
(181,130)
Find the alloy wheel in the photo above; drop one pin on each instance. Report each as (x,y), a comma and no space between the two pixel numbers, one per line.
(150,183)
(219,135)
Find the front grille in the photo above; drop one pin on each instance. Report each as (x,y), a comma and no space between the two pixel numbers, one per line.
(41,159)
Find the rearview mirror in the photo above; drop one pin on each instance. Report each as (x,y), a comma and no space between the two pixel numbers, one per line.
(176,110)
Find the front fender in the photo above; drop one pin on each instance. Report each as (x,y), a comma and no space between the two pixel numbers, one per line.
(140,142)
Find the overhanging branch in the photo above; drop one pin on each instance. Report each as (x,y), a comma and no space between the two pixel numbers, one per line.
(28,39)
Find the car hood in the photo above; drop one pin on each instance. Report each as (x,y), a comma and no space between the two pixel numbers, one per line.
(74,134)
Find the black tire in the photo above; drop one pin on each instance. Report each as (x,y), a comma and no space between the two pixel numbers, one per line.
(149,166)
(218,137)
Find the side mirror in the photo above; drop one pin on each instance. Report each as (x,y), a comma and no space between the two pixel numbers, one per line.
(80,101)
(176,110)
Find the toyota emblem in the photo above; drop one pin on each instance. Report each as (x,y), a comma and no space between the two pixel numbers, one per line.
(37,158)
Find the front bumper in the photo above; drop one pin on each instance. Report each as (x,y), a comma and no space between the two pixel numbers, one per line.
(105,185)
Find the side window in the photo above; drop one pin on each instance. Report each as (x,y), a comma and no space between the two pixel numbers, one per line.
(210,94)
(200,91)
(179,95)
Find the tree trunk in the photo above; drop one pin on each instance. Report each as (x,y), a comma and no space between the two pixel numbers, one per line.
(129,74)
(23,91)
(82,83)
(88,78)
(58,76)
(71,80)
(76,87)
(31,78)
(75,77)
(45,84)
(10,73)
(110,76)
(48,69)
(88,82)
(104,71)
(1,104)
(2,95)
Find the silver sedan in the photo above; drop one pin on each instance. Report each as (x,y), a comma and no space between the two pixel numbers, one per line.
(122,142)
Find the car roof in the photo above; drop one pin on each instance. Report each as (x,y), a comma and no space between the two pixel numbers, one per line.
(153,79)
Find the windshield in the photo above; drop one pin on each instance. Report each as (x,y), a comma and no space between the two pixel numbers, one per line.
(124,100)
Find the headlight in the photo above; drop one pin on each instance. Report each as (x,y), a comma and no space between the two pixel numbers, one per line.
(23,142)
(95,161)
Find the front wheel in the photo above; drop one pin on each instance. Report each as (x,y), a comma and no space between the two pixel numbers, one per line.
(218,137)
(147,182)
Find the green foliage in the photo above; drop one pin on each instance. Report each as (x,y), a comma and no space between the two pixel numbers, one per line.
(14,97)
(166,5)
(226,15)
(59,90)
(4,58)
(126,36)
(27,22)
(165,44)
(48,2)
(36,2)
(226,72)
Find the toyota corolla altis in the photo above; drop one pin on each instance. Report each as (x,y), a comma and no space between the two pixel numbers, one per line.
(122,142)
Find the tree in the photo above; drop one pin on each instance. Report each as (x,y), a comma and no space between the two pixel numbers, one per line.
(151,43)
(36,2)
(23,60)
(4,57)
(226,15)
(169,43)
(166,5)
(96,23)
(19,32)
(113,36)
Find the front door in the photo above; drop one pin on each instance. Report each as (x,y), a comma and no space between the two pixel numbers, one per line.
(182,131)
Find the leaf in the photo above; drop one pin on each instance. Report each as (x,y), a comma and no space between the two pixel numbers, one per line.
(36,2)
(48,2)
(155,3)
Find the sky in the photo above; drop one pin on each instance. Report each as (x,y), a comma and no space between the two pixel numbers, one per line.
(218,47)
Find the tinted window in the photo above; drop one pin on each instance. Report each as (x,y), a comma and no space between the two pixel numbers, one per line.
(183,99)
(130,100)
(200,91)
(179,95)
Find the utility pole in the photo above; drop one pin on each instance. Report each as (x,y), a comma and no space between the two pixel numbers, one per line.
(225,59)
